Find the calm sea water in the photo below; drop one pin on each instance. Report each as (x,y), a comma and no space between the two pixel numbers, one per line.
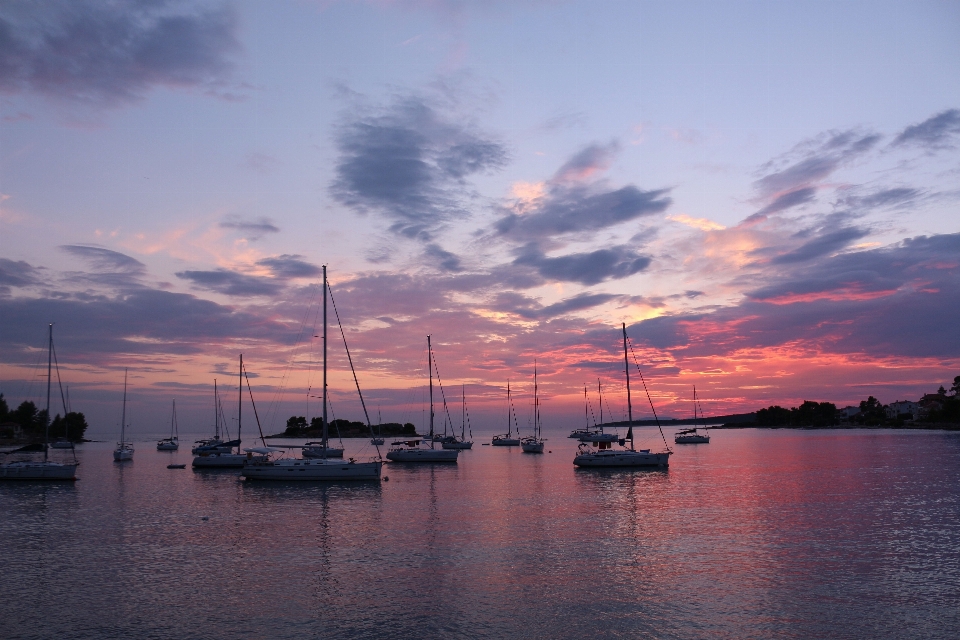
(759,534)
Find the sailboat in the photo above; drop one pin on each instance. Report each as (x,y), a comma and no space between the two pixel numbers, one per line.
(46,470)
(604,456)
(173,442)
(324,468)
(692,436)
(507,439)
(214,457)
(453,442)
(412,450)
(214,444)
(124,450)
(534,443)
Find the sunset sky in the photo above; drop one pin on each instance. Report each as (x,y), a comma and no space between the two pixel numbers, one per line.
(765,192)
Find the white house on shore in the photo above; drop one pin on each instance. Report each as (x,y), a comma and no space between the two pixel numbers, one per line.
(903,409)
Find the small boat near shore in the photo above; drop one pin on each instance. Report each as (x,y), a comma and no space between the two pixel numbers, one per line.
(124,450)
(692,436)
(46,469)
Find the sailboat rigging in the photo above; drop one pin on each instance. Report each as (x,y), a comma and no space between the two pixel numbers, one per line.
(507,439)
(124,450)
(412,450)
(48,469)
(606,457)
(534,443)
(324,468)
(173,442)
(692,436)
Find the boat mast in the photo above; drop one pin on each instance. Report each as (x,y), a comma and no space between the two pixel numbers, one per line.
(626,370)
(600,396)
(216,411)
(430,368)
(463,412)
(46,421)
(508,409)
(536,404)
(239,402)
(123,412)
(326,430)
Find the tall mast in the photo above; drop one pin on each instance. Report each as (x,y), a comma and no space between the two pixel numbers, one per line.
(239,402)
(326,430)
(586,414)
(216,411)
(123,413)
(600,396)
(536,403)
(509,426)
(46,421)
(463,412)
(430,367)
(626,371)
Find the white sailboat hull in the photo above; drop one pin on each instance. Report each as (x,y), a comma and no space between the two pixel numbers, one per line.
(692,439)
(423,455)
(505,442)
(123,454)
(38,471)
(167,445)
(532,447)
(306,469)
(611,458)
(224,460)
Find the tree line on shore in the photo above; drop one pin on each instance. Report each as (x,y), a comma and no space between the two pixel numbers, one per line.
(297,427)
(934,408)
(32,421)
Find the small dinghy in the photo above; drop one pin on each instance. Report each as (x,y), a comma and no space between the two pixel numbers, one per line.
(176,466)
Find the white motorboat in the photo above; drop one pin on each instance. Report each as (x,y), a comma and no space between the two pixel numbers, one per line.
(173,442)
(534,443)
(507,439)
(124,450)
(604,456)
(412,450)
(47,469)
(692,436)
(324,467)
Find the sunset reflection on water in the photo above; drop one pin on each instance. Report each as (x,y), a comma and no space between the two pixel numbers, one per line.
(758,534)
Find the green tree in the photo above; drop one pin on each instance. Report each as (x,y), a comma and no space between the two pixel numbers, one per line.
(871,412)
(72,426)
(296,425)
(27,416)
(955,388)
(775,416)
(5,410)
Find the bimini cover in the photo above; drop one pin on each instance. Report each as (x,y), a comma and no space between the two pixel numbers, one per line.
(262,450)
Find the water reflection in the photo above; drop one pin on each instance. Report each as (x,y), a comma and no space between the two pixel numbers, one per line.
(759,534)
